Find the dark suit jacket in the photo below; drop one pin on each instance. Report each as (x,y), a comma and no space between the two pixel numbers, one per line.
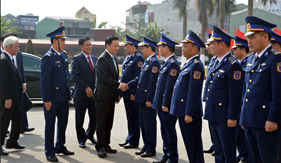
(20,67)
(82,75)
(11,87)
(107,84)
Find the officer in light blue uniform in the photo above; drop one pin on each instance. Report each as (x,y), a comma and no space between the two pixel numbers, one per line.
(241,50)
(186,101)
(146,84)
(54,80)
(261,108)
(223,98)
(130,70)
(162,99)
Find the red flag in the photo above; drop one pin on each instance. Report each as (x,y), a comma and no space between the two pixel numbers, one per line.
(208,30)
(276,30)
(241,34)
(235,31)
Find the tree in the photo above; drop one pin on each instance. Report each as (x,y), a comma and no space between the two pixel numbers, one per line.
(224,8)
(251,5)
(151,31)
(120,32)
(29,47)
(181,6)
(204,7)
(6,26)
(102,24)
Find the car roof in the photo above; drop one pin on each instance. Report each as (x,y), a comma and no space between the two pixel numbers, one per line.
(31,55)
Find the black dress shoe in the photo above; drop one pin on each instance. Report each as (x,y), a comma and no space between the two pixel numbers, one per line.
(101,152)
(147,154)
(3,152)
(52,158)
(66,152)
(210,150)
(123,144)
(161,161)
(128,146)
(110,150)
(82,145)
(26,129)
(15,146)
(93,140)
(140,152)
(237,160)
(213,154)
(242,161)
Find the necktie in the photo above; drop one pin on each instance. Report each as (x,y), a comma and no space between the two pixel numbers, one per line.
(216,64)
(91,65)
(257,58)
(13,61)
(114,62)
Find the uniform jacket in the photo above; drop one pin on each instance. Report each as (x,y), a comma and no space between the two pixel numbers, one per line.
(210,68)
(54,78)
(11,87)
(130,70)
(146,81)
(82,75)
(261,101)
(168,75)
(223,97)
(106,88)
(187,92)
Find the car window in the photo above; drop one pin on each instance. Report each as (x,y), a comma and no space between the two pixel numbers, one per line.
(30,63)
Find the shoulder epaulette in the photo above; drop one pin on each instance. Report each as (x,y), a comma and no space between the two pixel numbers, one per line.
(49,53)
(64,51)
(172,60)
(196,61)
(154,59)
(138,54)
(231,60)
(275,51)
(251,53)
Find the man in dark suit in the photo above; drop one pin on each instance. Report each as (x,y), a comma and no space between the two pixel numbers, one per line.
(11,92)
(106,94)
(19,65)
(54,81)
(83,74)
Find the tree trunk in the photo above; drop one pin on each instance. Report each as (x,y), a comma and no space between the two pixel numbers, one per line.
(250,7)
(184,30)
(221,13)
(203,31)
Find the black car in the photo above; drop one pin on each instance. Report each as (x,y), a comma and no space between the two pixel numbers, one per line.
(31,65)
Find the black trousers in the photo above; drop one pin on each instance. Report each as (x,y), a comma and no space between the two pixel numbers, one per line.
(105,114)
(81,105)
(14,114)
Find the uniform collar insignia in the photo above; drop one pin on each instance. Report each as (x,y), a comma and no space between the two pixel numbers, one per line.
(263,64)
(221,70)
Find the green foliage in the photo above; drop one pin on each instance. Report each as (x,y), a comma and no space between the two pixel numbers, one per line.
(102,24)
(204,5)
(181,6)
(120,32)
(29,47)
(6,26)
(230,6)
(270,1)
(151,31)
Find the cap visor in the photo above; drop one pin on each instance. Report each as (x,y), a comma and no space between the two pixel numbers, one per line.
(183,41)
(159,43)
(249,33)
(210,40)
(233,47)
(140,44)
(63,37)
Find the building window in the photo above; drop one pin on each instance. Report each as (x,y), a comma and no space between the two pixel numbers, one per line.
(242,28)
(127,13)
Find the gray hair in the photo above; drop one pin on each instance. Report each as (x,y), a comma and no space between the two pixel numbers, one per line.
(11,40)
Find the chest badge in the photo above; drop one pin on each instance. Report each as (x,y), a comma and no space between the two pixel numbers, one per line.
(237,75)
(173,72)
(279,67)
(197,75)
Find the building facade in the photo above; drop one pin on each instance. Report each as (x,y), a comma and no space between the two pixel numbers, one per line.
(273,8)
(75,28)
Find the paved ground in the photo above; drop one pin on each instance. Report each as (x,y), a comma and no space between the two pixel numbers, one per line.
(34,142)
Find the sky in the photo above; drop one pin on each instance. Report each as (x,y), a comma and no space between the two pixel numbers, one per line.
(112,11)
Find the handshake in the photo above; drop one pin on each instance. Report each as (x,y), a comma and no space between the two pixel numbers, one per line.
(124,87)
